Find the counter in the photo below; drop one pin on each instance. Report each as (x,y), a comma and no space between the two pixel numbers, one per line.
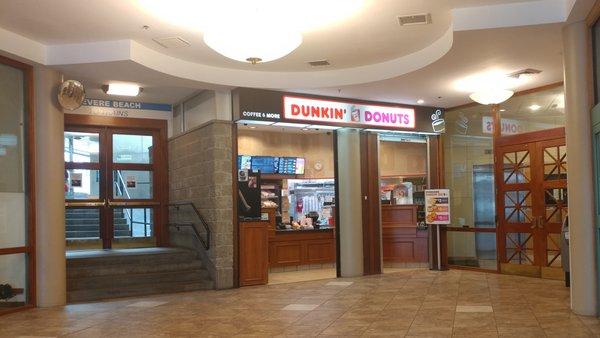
(402,241)
(301,247)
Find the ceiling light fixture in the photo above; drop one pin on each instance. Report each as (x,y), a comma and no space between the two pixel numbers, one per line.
(535,107)
(252,31)
(420,101)
(122,89)
(491,96)
(253,44)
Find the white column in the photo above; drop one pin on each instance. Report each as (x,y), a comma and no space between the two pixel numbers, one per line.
(581,188)
(350,202)
(51,274)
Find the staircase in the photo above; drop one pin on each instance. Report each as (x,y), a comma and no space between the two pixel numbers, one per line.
(102,274)
(85,223)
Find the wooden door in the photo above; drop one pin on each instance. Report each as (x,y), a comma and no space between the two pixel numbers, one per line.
(531,202)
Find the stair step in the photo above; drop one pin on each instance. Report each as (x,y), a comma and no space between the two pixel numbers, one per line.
(96,233)
(86,227)
(113,269)
(96,221)
(137,290)
(130,256)
(123,280)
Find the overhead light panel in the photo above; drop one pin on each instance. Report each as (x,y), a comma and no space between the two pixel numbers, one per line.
(535,107)
(290,125)
(262,123)
(122,89)
(420,101)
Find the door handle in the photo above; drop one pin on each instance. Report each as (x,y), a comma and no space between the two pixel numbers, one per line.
(85,204)
(132,203)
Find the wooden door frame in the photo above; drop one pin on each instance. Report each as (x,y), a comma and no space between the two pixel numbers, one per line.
(371,203)
(29,173)
(161,172)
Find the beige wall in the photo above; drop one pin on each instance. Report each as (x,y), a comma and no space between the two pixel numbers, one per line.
(402,158)
(313,147)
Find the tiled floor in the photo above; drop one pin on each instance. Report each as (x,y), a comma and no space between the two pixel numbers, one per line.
(301,276)
(408,303)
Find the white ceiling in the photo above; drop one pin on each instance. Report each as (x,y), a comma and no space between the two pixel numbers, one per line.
(372,56)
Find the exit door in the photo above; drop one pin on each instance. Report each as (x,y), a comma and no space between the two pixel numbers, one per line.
(114,186)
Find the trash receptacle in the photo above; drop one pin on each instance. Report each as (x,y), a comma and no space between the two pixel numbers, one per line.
(564,251)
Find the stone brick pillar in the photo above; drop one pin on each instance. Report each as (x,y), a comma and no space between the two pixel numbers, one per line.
(200,172)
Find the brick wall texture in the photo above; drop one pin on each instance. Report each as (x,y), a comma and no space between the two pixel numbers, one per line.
(200,163)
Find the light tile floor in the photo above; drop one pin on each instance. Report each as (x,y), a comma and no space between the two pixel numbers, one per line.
(408,303)
(301,276)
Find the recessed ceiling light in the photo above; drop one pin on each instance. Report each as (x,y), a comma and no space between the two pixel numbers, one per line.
(502,109)
(535,107)
(122,89)
(420,101)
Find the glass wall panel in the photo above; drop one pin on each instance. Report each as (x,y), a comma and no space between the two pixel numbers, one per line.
(472,249)
(132,184)
(132,148)
(82,147)
(82,184)
(133,222)
(535,111)
(13,185)
(14,273)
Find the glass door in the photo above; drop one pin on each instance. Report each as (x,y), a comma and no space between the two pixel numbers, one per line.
(110,194)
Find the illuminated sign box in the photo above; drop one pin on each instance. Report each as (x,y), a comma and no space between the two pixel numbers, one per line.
(326,112)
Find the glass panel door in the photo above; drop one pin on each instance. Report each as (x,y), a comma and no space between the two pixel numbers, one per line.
(84,188)
(109,187)
(132,198)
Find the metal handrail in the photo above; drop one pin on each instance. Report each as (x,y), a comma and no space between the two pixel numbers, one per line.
(177,206)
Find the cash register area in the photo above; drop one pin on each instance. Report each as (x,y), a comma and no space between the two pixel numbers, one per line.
(297,186)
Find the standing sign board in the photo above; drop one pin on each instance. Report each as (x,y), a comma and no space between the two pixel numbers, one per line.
(437,213)
(437,206)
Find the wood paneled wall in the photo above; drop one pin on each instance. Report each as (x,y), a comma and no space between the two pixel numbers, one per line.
(313,147)
(402,158)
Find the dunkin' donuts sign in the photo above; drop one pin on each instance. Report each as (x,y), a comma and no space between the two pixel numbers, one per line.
(313,110)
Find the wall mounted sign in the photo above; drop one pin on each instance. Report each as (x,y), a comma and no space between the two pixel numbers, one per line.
(437,206)
(270,106)
(312,110)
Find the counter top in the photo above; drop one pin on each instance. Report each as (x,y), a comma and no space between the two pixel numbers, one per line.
(323,228)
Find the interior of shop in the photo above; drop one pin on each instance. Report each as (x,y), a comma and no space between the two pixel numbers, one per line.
(297,186)
(403,181)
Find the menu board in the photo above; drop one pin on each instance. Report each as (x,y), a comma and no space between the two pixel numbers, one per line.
(272,165)
(437,206)
(264,164)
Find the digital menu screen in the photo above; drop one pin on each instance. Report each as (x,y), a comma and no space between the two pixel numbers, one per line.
(264,164)
(272,165)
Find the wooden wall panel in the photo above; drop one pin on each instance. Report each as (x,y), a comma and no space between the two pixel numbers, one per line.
(301,248)
(254,253)
(313,147)
(402,158)
(402,242)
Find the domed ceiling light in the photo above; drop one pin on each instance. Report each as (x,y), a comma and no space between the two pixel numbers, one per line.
(252,31)
(491,96)
(254,44)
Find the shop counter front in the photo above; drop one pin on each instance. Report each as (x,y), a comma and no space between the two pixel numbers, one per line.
(403,242)
(301,247)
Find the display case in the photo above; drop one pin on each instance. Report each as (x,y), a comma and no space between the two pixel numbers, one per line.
(312,195)
(270,194)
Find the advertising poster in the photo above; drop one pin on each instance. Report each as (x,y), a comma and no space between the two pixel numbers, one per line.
(131,181)
(76,180)
(437,206)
